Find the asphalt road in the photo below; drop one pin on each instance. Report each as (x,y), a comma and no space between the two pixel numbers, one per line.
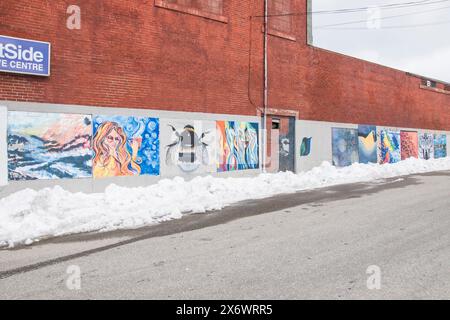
(310,245)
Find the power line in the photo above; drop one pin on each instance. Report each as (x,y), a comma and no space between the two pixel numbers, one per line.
(386,6)
(382,18)
(353,10)
(395,27)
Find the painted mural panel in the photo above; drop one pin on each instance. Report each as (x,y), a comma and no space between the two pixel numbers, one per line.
(440,146)
(409,141)
(305,147)
(188,146)
(238,145)
(426,146)
(318,134)
(367,144)
(345,146)
(49,145)
(390,146)
(125,146)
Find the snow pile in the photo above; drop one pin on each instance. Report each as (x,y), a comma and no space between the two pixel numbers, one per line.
(31,215)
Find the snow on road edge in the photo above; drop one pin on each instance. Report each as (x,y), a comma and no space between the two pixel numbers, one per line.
(30,215)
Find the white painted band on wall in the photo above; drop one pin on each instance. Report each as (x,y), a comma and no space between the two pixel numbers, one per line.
(3,149)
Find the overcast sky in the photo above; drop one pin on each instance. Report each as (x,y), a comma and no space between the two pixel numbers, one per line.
(418,42)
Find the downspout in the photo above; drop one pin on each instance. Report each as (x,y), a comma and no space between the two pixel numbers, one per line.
(265,97)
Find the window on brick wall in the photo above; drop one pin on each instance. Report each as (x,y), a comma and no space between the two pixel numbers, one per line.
(279,21)
(211,6)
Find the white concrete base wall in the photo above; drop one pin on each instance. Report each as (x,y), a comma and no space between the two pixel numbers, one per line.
(319,131)
(3,148)
(90,185)
(321,144)
(448,145)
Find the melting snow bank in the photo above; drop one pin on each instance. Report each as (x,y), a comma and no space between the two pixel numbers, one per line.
(29,215)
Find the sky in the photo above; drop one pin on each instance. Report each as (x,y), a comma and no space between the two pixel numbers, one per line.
(416,39)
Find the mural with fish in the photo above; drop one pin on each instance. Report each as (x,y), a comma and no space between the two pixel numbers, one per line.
(367,144)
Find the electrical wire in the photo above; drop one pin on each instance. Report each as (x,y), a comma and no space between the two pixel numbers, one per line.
(381,18)
(353,10)
(394,27)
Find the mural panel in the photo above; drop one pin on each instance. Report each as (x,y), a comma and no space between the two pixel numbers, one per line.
(238,145)
(125,146)
(389,146)
(426,146)
(49,145)
(305,148)
(440,146)
(409,144)
(367,144)
(345,146)
(188,146)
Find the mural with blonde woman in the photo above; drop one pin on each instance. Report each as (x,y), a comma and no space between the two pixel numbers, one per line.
(125,146)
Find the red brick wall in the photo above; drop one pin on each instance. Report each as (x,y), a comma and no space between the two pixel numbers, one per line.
(135,54)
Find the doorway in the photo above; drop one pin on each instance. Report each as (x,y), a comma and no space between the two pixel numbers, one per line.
(280,143)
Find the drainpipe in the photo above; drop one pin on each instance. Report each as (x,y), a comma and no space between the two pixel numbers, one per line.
(265,98)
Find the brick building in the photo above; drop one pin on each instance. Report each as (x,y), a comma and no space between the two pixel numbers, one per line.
(202,60)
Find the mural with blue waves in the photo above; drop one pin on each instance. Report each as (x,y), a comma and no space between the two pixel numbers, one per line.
(49,146)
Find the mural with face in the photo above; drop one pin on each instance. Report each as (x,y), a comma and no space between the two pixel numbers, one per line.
(237,145)
(125,146)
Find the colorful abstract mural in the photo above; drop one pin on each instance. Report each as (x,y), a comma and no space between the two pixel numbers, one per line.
(125,146)
(238,146)
(305,148)
(189,146)
(440,146)
(426,146)
(49,145)
(367,144)
(344,146)
(409,142)
(390,146)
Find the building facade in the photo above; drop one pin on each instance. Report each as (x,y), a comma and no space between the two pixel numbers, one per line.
(140,90)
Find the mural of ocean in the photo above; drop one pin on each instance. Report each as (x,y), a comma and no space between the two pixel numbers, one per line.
(49,146)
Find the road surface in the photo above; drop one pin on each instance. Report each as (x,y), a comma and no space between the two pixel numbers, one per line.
(319,244)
